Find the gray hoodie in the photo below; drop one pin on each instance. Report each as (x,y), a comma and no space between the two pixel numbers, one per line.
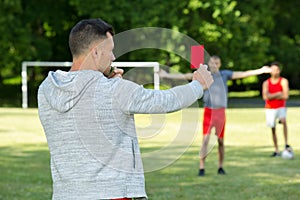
(89,124)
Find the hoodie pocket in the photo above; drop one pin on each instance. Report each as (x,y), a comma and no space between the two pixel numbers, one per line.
(133,153)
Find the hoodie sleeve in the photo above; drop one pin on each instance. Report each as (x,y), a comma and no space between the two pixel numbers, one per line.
(134,99)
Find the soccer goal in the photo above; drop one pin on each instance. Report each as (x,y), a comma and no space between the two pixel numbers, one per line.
(153,66)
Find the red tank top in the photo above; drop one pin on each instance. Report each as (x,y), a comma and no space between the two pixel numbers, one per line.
(273,88)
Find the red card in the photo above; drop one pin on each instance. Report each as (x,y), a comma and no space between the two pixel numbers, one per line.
(197,56)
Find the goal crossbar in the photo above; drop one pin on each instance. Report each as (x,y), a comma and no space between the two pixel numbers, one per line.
(27,64)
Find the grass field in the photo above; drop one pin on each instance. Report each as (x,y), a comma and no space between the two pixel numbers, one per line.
(251,173)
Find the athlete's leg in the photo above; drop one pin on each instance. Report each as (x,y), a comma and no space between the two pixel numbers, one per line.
(221,149)
(206,125)
(220,130)
(274,137)
(282,118)
(220,121)
(203,151)
(285,132)
(271,115)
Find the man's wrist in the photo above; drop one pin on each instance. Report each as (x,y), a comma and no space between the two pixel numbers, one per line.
(197,88)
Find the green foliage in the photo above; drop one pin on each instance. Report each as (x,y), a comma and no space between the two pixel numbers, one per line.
(13,38)
(285,43)
(246,34)
(33,30)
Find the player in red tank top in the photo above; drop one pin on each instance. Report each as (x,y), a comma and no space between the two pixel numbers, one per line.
(274,88)
(275,92)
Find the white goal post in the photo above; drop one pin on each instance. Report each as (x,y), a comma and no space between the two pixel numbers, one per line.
(27,64)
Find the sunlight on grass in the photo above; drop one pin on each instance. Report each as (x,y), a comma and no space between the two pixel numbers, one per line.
(20,127)
(250,93)
(164,128)
(252,174)
(294,92)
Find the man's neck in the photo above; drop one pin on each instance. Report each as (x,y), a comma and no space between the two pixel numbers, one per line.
(275,78)
(214,71)
(81,63)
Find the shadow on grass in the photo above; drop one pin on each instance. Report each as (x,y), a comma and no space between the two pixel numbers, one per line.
(251,174)
(25,172)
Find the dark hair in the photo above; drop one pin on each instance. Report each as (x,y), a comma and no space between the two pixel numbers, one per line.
(86,32)
(216,57)
(278,64)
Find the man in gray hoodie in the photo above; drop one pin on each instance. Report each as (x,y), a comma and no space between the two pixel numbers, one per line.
(88,118)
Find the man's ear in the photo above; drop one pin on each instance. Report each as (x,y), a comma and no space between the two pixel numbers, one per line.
(96,52)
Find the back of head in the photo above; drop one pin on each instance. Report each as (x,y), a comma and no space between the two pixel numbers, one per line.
(85,32)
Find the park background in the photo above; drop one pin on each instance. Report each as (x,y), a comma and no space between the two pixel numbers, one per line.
(245,34)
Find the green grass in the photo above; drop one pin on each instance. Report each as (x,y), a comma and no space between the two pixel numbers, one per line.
(252,174)
(24,156)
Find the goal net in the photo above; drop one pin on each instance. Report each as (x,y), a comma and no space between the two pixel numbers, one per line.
(137,72)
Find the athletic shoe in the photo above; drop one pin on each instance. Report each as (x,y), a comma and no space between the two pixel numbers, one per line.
(221,171)
(275,154)
(201,172)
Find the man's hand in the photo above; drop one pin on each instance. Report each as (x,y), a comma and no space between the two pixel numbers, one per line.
(203,76)
(163,74)
(116,72)
(266,69)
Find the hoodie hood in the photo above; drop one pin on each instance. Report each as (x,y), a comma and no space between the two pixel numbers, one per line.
(62,90)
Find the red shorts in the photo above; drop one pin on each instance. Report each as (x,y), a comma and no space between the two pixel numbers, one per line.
(214,118)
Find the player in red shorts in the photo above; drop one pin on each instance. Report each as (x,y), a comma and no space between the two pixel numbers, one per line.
(275,93)
(215,103)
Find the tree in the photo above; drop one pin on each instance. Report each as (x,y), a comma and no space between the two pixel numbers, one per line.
(14,38)
(285,39)
(244,33)
(32,31)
